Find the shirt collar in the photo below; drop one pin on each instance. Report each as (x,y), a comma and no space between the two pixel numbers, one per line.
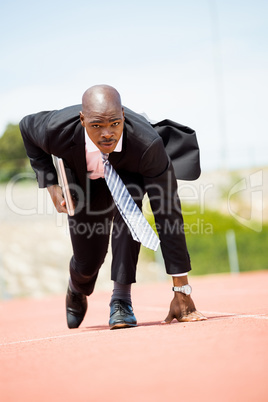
(91,147)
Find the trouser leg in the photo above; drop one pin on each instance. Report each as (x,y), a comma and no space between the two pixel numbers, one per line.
(125,250)
(90,232)
(90,239)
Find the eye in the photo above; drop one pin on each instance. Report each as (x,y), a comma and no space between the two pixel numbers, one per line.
(95,126)
(116,123)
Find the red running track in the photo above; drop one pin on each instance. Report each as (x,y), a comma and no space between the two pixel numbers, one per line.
(222,359)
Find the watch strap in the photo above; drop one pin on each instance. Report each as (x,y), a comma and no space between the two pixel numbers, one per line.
(177,289)
(185,289)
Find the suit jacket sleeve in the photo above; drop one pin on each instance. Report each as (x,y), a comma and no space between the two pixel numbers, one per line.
(36,142)
(161,186)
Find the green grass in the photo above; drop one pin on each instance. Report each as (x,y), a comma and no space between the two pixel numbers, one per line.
(207,245)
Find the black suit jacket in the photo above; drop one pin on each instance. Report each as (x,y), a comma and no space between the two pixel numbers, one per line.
(60,133)
(145,158)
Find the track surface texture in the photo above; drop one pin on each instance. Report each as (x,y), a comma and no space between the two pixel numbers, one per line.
(222,359)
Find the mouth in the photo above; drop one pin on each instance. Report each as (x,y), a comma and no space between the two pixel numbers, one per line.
(107,144)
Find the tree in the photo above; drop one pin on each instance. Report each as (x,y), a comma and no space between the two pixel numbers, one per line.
(13,158)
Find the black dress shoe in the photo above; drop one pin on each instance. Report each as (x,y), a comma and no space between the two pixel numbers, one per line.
(76,307)
(121,315)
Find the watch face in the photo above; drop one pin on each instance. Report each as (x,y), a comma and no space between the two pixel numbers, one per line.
(187,289)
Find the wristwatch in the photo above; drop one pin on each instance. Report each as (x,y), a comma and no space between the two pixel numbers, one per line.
(185,289)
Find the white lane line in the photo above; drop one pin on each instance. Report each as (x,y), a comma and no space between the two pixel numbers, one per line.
(220,313)
(236,315)
(51,337)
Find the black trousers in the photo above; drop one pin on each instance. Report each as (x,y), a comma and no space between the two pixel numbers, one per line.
(90,230)
(90,234)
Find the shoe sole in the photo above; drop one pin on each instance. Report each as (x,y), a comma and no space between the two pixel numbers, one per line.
(122,325)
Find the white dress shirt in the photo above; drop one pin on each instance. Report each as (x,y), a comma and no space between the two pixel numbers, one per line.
(94,159)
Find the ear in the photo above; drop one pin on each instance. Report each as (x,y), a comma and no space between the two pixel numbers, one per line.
(123,112)
(82,119)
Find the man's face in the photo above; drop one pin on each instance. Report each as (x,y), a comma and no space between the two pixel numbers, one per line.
(104,126)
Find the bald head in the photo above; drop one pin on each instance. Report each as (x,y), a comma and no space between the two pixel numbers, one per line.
(100,97)
(102,116)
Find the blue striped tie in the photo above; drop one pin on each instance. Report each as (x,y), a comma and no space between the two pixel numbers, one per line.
(139,227)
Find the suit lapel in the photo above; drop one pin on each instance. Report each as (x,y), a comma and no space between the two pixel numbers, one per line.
(116,157)
(76,157)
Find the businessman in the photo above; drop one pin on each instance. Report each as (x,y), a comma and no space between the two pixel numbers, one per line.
(109,149)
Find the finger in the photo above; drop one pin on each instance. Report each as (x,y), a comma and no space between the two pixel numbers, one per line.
(194,316)
(63,207)
(201,315)
(168,319)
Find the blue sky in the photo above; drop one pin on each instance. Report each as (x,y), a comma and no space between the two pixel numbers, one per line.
(202,63)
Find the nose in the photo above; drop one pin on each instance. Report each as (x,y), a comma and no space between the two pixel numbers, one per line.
(106,132)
